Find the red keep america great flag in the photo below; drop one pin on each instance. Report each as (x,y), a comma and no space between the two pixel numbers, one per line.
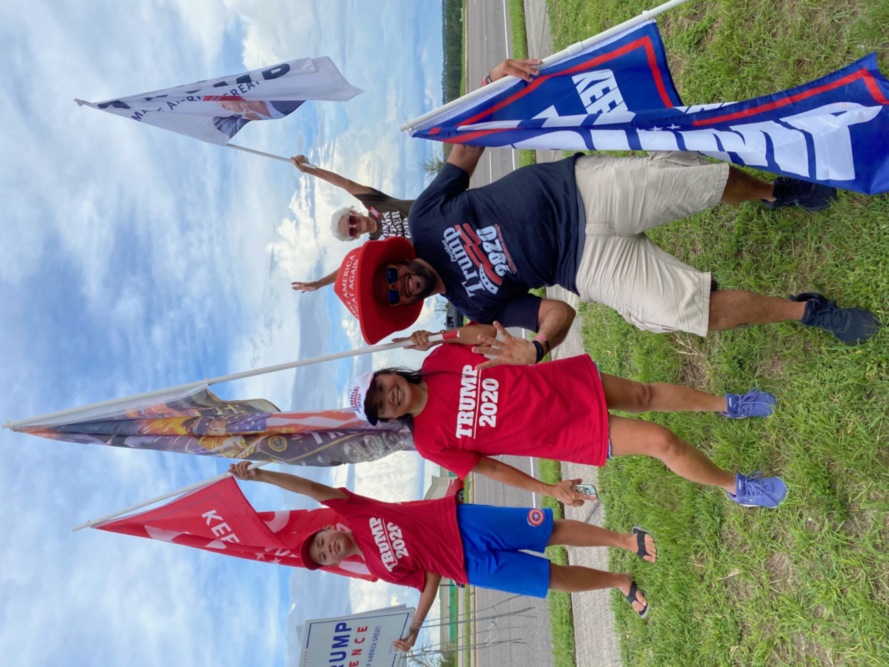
(219,518)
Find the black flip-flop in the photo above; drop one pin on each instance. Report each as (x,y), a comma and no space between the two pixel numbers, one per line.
(631,598)
(641,551)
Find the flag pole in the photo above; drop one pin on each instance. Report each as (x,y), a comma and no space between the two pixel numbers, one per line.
(571,50)
(171,494)
(256,152)
(42,419)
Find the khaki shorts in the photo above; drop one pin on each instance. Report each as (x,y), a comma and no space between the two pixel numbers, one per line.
(620,267)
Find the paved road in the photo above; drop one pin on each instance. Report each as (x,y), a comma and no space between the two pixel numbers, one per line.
(512,640)
(488,43)
(596,640)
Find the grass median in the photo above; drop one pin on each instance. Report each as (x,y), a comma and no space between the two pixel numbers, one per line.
(807,583)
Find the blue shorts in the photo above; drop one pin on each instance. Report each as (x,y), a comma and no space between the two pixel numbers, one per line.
(493,538)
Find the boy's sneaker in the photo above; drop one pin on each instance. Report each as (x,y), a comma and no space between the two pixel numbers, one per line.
(853,326)
(794,192)
(754,403)
(757,491)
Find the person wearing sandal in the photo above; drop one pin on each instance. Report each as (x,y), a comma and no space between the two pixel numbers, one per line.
(417,543)
(464,410)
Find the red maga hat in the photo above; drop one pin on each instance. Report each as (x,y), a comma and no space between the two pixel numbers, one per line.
(354,286)
(304,547)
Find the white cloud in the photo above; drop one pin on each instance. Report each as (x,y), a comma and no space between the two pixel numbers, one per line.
(133,259)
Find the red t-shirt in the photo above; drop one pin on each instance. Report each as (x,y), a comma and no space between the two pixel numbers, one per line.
(400,542)
(554,410)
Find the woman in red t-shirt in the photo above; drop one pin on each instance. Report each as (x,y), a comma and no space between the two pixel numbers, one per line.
(464,410)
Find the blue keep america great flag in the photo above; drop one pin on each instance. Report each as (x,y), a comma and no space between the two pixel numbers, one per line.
(618,95)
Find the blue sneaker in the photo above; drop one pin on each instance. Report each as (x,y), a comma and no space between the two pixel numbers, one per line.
(754,403)
(794,192)
(852,326)
(758,491)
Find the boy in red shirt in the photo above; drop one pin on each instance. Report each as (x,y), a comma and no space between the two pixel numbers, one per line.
(417,543)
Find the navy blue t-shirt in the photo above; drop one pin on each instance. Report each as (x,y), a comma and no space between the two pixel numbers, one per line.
(490,245)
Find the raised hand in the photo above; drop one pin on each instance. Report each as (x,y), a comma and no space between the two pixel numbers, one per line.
(506,349)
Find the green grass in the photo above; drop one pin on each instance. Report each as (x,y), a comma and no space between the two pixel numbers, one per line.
(527,157)
(519,46)
(561,618)
(808,583)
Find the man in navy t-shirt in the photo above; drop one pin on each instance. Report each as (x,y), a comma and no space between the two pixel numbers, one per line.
(580,223)
(491,244)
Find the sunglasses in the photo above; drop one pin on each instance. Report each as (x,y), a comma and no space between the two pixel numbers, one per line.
(353,225)
(391,278)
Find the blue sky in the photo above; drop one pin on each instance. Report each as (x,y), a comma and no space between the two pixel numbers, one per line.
(134,259)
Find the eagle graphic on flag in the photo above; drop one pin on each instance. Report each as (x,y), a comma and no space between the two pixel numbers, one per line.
(198,422)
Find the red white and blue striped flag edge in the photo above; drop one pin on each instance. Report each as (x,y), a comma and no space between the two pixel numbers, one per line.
(618,94)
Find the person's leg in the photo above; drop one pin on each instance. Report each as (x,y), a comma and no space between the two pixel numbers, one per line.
(634,437)
(579,534)
(631,436)
(576,579)
(630,396)
(732,308)
(651,289)
(741,187)
(629,195)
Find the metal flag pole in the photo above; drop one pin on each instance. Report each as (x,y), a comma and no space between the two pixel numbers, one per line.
(171,494)
(42,419)
(274,157)
(571,50)
(256,152)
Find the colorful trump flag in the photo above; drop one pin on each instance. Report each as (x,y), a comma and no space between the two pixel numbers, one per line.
(618,95)
(215,110)
(219,518)
(198,422)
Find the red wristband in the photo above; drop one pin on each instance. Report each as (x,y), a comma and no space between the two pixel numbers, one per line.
(450,335)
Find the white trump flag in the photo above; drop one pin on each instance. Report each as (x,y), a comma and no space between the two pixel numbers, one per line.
(216,109)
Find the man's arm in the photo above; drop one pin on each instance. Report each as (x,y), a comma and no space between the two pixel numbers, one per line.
(306,487)
(554,319)
(301,162)
(467,157)
(312,285)
(427,597)
(506,474)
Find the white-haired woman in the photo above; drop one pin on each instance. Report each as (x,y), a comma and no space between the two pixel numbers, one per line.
(385,217)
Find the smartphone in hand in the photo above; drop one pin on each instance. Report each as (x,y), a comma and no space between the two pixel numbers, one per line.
(588,489)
